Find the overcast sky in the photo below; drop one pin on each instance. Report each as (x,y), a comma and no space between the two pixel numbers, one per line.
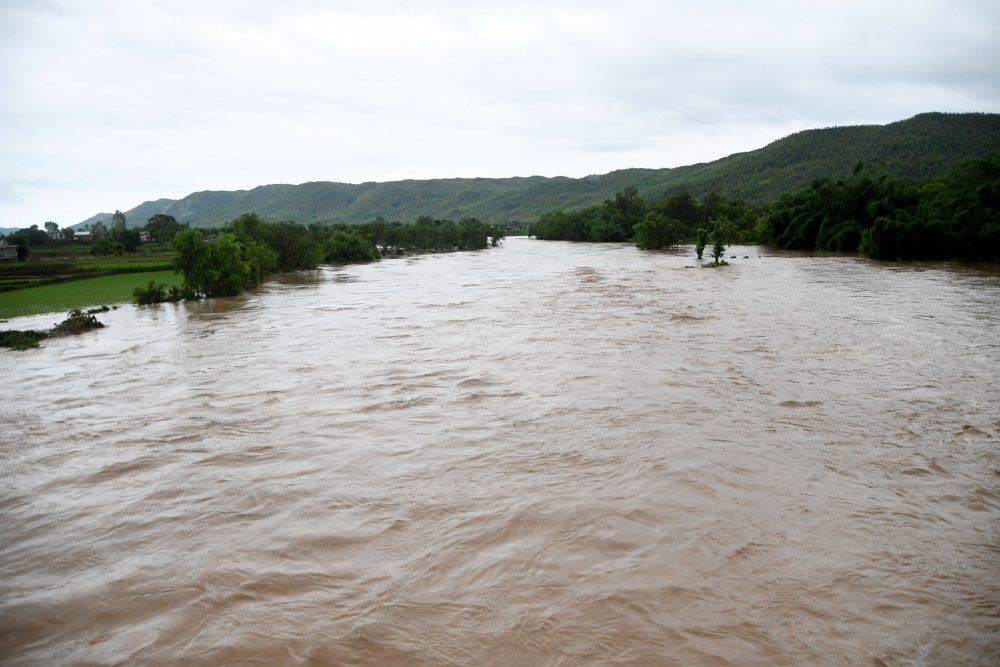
(107,104)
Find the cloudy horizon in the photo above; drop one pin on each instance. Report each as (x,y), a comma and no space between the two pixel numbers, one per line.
(109,104)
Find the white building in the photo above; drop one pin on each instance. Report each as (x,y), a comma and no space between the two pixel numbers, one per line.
(8,252)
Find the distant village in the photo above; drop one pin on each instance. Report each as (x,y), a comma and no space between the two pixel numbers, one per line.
(87,236)
(116,239)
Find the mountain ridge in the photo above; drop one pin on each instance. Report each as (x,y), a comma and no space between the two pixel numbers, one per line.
(917,147)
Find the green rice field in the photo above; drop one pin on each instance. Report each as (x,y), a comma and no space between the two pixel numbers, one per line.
(85,293)
(160,262)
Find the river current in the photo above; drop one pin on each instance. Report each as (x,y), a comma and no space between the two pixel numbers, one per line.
(541,454)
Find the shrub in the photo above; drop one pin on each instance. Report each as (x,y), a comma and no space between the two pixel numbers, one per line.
(151,293)
(76,322)
(158,293)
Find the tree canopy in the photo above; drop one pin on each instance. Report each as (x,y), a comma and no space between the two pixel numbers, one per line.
(955,215)
(654,224)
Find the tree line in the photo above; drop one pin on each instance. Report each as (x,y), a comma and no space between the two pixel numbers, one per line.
(679,219)
(32,237)
(248,249)
(952,216)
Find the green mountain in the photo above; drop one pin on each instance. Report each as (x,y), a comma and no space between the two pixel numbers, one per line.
(918,147)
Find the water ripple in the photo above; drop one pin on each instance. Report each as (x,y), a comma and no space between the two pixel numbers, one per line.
(543,454)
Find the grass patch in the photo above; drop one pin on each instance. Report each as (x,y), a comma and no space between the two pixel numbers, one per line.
(126,261)
(79,293)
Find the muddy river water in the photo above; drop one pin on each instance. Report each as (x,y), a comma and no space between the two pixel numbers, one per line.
(541,454)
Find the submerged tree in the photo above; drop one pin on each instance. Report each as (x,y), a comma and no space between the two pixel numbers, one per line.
(344,246)
(656,231)
(719,246)
(699,247)
(723,232)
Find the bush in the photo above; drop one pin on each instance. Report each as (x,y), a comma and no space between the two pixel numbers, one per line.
(157,293)
(76,322)
(151,293)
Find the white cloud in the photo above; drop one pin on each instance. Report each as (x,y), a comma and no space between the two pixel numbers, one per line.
(111,103)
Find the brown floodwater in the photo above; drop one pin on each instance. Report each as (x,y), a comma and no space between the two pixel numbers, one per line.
(541,454)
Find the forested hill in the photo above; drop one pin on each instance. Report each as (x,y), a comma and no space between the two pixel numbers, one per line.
(918,147)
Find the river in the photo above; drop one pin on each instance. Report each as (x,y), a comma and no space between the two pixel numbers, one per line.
(541,454)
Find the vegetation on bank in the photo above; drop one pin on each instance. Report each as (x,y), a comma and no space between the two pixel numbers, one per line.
(651,225)
(206,262)
(952,216)
(248,249)
(657,224)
